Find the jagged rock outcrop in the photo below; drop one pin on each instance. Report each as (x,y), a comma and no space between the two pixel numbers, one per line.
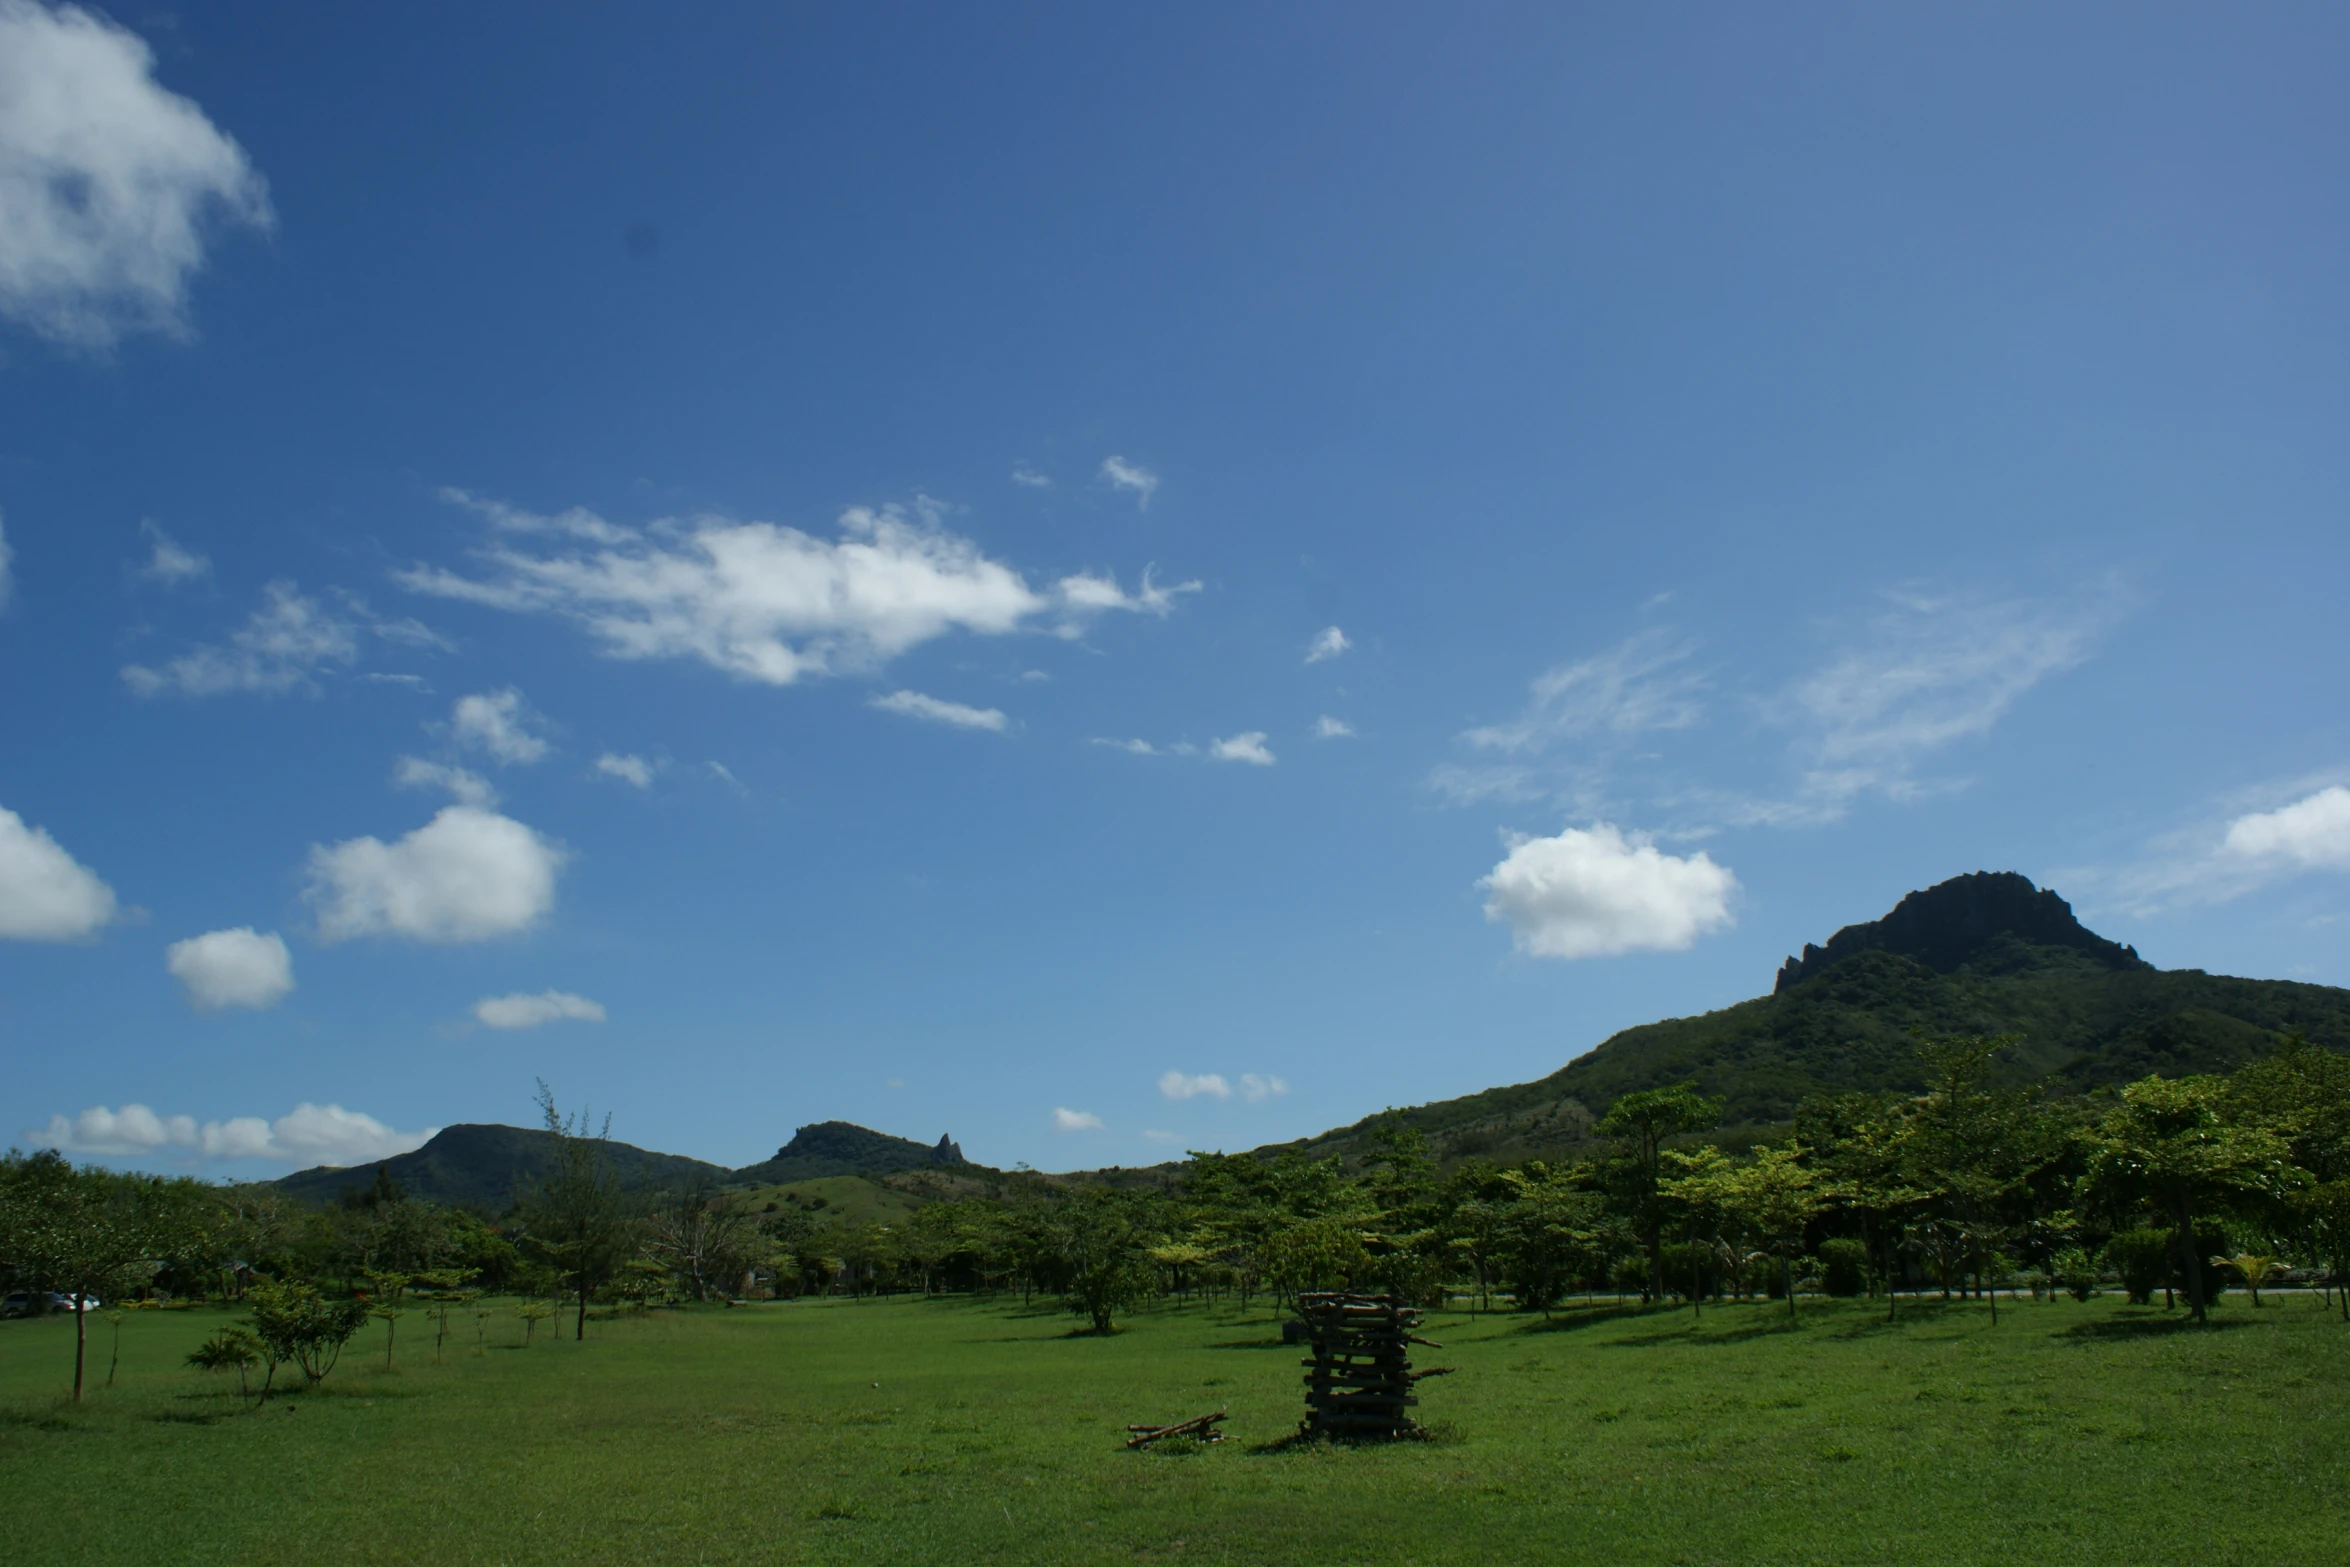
(1957,923)
(948,1151)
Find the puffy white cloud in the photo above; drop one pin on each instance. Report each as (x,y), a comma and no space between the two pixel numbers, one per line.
(521,1010)
(1178,1085)
(309,1134)
(466,787)
(930,709)
(1028,478)
(1256,1089)
(1120,474)
(232,968)
(1594,893)
(629,769)
(45,894)
(285,643)
(467,875)
(107,180)
(1328,643)
(498,722)
(1328,728)
(1249,748)
(2310,834)
(1076,1121)
(167,561)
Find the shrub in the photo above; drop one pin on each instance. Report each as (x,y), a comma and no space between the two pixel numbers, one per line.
(1844,1267)
(2075,1272)
(294,1322)
(2143,1259)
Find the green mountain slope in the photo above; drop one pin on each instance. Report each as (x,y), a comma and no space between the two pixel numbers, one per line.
(1981,954)
(487,1167)
(840,1148)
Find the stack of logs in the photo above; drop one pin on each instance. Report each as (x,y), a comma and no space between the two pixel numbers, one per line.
(1358,1385)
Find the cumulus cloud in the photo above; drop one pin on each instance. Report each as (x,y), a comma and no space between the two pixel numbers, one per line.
(1120,474)
(499,723)
(930,709)
(1256,1089)
(108,182)
(1178,1085)
(527,1011)
(467,788)
(1328,643)
(1076,1121)
(469,874)
(285,644)
(1595,893)
(1249,748)
(232,968)
(2309,834)
(1328,728)
(167,561)
(629,769)
(309,1134)
(759,600)
(1028,478)
(2245,851)
(45,893)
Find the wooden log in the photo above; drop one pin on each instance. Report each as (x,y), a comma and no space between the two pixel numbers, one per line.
(1201,1426)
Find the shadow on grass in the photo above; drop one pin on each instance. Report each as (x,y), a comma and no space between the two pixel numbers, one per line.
(1568,1322)
(2149,1327)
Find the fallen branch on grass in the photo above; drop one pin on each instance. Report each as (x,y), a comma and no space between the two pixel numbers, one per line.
(1203,1427)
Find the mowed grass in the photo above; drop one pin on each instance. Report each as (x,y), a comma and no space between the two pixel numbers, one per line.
(918,1431)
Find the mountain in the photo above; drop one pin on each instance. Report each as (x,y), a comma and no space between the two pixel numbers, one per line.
(487,1167)
(1980,954)
(839,1148)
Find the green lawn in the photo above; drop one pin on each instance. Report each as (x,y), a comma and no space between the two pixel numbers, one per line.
(2068,1433)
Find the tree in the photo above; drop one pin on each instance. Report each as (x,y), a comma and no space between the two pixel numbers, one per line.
(229,1349)
(90,1232)
(577,1213)
(2169,1146)
(705,1242)
(295,1322)
(1550,1233)
(1639,1124)
(1104,1239)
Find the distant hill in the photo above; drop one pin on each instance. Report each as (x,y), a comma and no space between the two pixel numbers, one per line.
(1979,954)
(840,1148)
(488,1167)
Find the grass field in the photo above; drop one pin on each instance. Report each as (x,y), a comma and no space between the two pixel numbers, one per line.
(951,1431)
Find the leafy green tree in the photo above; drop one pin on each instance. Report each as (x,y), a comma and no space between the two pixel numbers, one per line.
(2168,1145)
(1104,1237)
(294,1322)
(1551,1233)
(1316,1254)
(90,1232)
(1640,1124)
(230,1349)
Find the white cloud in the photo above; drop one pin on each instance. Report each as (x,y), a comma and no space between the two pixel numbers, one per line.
(7,558)
(577,523)
(1130,747)
(309,1134)
(1076,1121)
(628,769)
(107,181)
(168,562)
(1087,593)
(1641,684)
(1123,475)
(1029,478)
(498,722)
(762,601)
(913,704)
(1595,893)
(527,1011)
(232,968)
(1328,643)
(467,875)
(467,788)
(288,640)
(1256,1089)
(45,894)
(1170,1138)
(2309,834)
(1328,728)
(1176,1085)
(1249,747)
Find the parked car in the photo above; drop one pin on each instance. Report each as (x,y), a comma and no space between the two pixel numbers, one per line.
(33,1303)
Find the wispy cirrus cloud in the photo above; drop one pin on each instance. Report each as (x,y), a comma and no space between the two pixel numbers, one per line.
(1131,477)
(290,643)
(763,601)
(934,710)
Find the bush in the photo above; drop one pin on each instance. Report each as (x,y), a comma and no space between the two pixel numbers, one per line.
(294,1322)
(2075,1272)
(1844,1267)
(2143,1259)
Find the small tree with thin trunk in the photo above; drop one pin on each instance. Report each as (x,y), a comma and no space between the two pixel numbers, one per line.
(577,1214)
(1639,1124)
(88,1232)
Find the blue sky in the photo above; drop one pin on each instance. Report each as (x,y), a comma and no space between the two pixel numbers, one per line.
(1107,580)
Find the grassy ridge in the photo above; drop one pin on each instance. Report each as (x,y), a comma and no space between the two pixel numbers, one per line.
(2095,1432)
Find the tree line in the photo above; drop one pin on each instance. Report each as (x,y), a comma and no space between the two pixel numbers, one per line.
(2185,1186)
